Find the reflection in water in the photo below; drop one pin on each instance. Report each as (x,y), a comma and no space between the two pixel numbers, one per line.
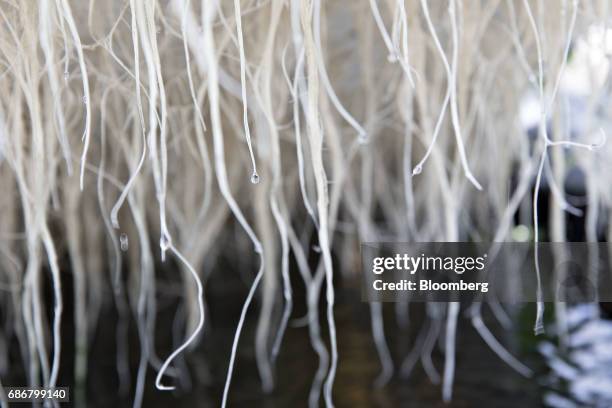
(482,379)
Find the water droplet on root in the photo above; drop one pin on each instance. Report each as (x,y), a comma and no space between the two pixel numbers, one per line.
(417,170)
(85,100)
(255,178)
(164,243)
(123,241)
(66,75)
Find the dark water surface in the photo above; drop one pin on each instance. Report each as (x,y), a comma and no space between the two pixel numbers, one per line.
(481,378)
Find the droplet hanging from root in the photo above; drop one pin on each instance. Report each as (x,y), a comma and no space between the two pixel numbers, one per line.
(123,242)
(255,178)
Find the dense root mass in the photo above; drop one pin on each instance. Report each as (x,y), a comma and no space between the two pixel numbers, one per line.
(139,136)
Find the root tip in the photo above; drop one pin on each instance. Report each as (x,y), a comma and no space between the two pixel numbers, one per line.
(538,329)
